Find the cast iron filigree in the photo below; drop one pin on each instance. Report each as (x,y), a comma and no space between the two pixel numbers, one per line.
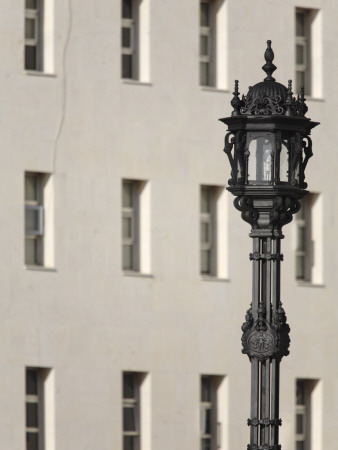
(262,105)
(269,97)
(283,210)
(263,340)
(248,212)
(260,340)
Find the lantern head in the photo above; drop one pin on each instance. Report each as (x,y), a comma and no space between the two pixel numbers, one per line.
(268,143)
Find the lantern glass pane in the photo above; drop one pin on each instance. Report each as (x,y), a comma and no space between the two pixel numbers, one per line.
(261,157)
(204,45)
(284,163)
(300,54)
(204,74)
(205,200)
(127,9)
(300,79)
(207,420)
(300,392)
(301,239)
(300,24)
(296,173)
(300,424)
(206,389)
(206,444)
(205,15)
(205,232)
(205,261)
(300,267)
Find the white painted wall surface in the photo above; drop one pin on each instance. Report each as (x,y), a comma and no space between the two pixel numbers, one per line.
(86,319)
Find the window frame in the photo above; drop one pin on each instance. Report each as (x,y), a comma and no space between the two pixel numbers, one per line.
(130,23)
(206,31)
(37,399)
(309,251)
(37,205)
(303,410)
(214,437)
(131,212)
(35,14)
(303,41)
(209,218)
(133,403)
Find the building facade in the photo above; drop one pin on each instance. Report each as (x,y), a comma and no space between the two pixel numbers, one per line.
(125,274)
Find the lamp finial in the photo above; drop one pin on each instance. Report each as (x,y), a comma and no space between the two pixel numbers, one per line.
(269,67)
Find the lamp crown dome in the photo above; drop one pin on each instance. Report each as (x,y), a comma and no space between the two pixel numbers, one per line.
(269,97)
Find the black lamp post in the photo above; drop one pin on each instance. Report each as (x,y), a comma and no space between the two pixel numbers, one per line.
(268,146)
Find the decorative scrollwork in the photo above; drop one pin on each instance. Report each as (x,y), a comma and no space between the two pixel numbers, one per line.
(248,320)
(249,213)
(263,340)
(283,330)
(283,210)
(308,153)
(260,341)
(228,146)
(240,139)
(262,105)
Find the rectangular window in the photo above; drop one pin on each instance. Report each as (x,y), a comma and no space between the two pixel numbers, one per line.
(302,50)
(205,44)
(212,43)
(136,411)
(34,219)
(39,35)
(213,231)
(135,226)
(308,51)
(38,220)
(131,411)
(128,39)
(208,231)
(213,406)
(309,240)
(33,34)
(39,409)
(130,225)
(135,40)
(308,414)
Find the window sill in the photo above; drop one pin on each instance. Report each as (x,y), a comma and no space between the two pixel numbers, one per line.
(41,268)
(39,73)
(130,273)
(214,278)
(214,89)
(135,82)
(301,283)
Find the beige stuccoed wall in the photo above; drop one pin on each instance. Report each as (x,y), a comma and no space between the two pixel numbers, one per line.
(85,318)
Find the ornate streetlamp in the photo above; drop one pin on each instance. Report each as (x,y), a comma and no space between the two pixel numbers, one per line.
(268,147)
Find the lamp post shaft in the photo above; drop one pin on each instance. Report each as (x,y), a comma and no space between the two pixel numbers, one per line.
(264,420)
